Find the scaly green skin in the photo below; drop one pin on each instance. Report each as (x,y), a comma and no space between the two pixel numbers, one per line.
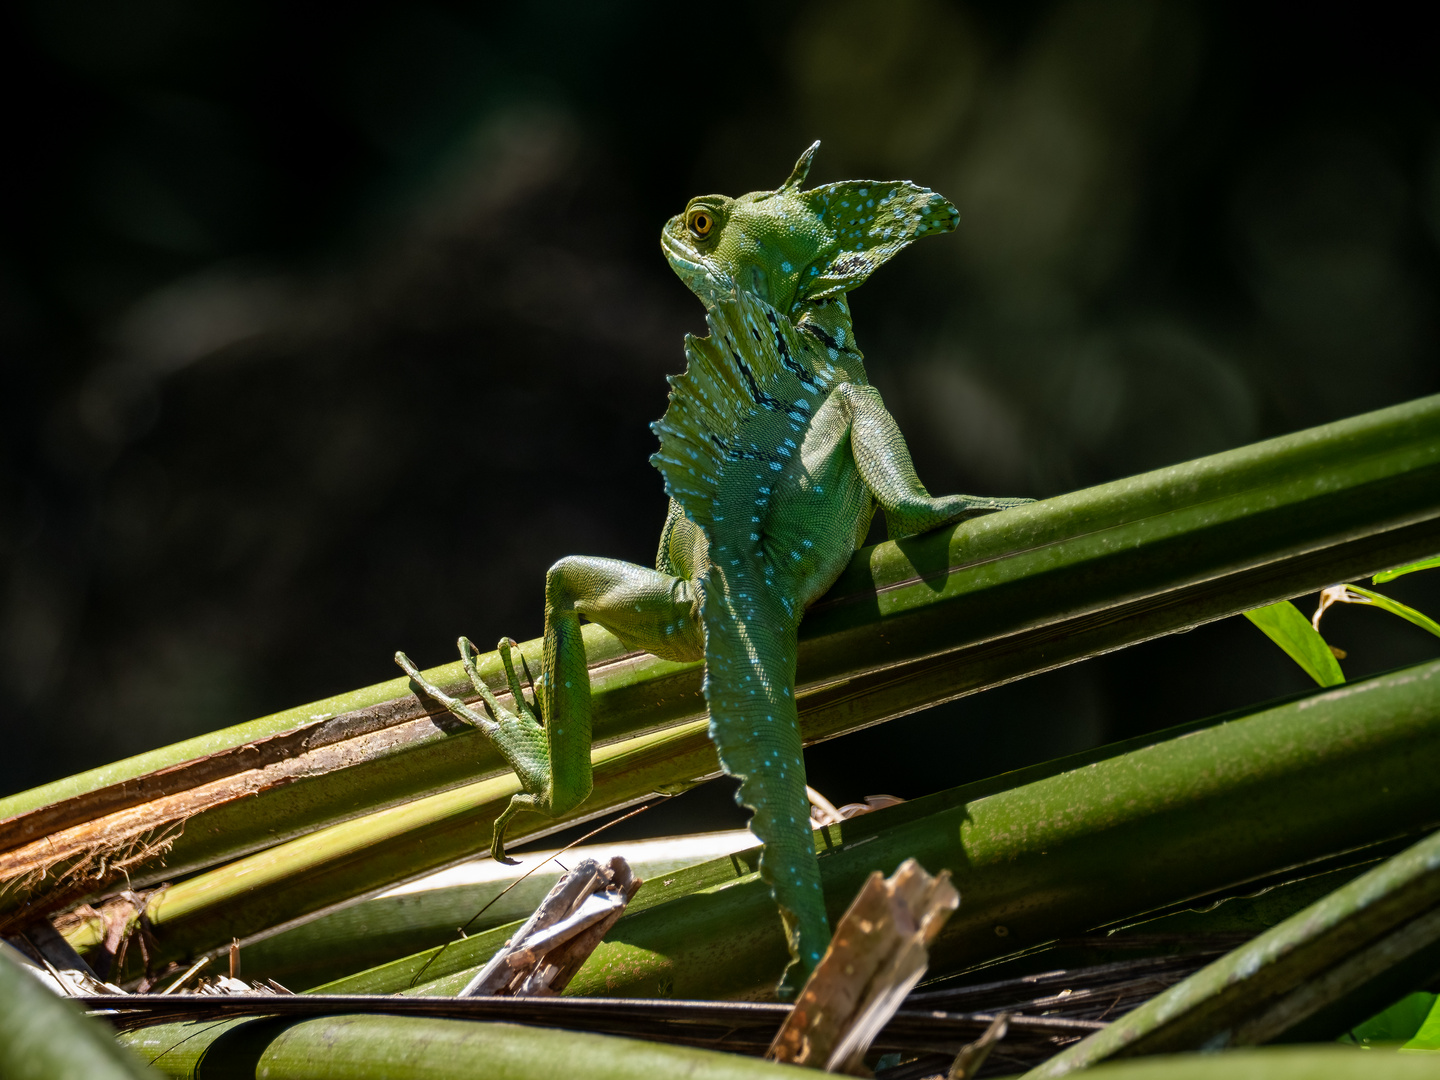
(775,451)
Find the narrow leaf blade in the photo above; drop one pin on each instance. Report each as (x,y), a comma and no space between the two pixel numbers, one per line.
(1390,575)
(1405,612)
(1283,624)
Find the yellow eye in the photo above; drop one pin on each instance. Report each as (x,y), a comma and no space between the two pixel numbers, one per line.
(701,223)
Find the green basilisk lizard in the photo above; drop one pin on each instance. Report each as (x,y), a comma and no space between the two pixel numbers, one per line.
(775,451)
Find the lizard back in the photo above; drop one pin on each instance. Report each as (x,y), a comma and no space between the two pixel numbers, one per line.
(730,444)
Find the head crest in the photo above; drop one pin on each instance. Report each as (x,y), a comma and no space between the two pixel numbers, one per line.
(802,168)
(870,220)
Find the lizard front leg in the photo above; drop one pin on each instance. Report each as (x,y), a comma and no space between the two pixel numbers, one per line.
(644,608)
(885,466)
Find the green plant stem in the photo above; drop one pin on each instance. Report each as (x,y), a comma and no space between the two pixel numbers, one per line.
(908,625)
(1276,1063)
(1051,851)
(1324,957)
(370,1047)
(318,872)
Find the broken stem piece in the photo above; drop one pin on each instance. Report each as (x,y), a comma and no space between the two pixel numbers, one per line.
(972,1055)
(553,943)
(876,957)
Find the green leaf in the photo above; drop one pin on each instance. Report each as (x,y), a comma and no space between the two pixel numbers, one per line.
(1283,624)
(1399,1022)
(1428,1037)
(1389,575)
(43,1035)
(1396,608)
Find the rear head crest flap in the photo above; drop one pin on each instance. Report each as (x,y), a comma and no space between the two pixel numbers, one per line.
(870,220)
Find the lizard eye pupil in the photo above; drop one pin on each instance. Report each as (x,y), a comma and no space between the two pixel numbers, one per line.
(700,224)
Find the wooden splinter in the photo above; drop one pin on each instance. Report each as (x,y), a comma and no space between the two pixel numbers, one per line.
(876,957)
(544,955)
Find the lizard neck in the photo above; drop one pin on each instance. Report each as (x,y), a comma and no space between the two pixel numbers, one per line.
(828,323)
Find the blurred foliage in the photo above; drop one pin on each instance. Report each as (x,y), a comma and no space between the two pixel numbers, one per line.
(324,334)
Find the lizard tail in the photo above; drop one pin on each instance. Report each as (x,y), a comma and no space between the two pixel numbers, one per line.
(750,646)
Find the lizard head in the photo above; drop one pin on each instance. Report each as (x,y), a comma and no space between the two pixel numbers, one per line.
(790,247)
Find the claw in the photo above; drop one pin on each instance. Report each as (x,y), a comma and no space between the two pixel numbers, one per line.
(525,667)
(516,689)
(467,658)
(497,841)
(457,708)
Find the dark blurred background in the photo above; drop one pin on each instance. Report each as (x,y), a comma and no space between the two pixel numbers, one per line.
(325,332)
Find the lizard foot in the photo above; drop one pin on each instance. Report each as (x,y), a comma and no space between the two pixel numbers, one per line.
(516,732)
(458,708)
(964,507)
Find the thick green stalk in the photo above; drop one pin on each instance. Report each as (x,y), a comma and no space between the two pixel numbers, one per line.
(1052,851)
(370,1047)
(1292,973)
(43,1037)
(317,872)
(1278,1063)
(320,871)
(908,625)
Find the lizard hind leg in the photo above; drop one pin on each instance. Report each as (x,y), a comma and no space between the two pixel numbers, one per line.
(645,608)
(525,800)
(516,733)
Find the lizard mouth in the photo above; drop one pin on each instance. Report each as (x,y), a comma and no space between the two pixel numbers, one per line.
(698,273)
(679,254)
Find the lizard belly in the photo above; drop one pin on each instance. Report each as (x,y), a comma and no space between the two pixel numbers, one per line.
(820,511)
